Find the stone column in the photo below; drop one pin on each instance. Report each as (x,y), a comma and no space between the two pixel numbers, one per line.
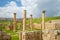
(24,25)
(0,31)
(43,20)
(31,21)
(43,25)
(24,20)
(0,27)
(14,26)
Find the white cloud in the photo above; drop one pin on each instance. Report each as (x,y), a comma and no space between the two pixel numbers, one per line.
(30,5)
(9,9)
(35,7)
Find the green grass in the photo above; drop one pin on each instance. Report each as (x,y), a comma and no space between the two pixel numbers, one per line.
(14,35)
(38,20)
(52,18)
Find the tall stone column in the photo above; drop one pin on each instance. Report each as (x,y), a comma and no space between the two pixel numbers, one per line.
(14,23)
(0,31)
(31,21)
(43,25)
(0,27)
(24,20)
(24,25)
(1,38)
(43,20)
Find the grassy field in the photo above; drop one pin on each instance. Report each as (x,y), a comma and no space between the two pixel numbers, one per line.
(15,35)
(38,20)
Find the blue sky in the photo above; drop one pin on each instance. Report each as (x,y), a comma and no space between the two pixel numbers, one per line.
(34,7)
(4,2)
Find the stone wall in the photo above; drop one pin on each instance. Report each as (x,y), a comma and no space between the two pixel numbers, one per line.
(4,36)
(50,26)
(58,37)
(55,21)
(37,26)
(0,35)
(57,26)
(51,35)
(9,26)
(32,35)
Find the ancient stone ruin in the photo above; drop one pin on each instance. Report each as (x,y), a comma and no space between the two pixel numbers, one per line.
(24,20)
(0,26)
(14,23)
(3,35)
(9,26)
(49,30)
(37,25)
(32,35)
(43,20)
(31,24)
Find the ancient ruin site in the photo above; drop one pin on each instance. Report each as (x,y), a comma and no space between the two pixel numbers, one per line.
(29,20)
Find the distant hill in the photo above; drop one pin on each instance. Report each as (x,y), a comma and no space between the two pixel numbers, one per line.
(9,19)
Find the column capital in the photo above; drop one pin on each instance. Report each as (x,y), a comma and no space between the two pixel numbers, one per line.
(43,11)
(14,13)
(30,14)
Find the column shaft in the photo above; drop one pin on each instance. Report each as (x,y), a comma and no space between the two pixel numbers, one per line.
(31,22)
(14,27)
(24,20)
(43,20)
